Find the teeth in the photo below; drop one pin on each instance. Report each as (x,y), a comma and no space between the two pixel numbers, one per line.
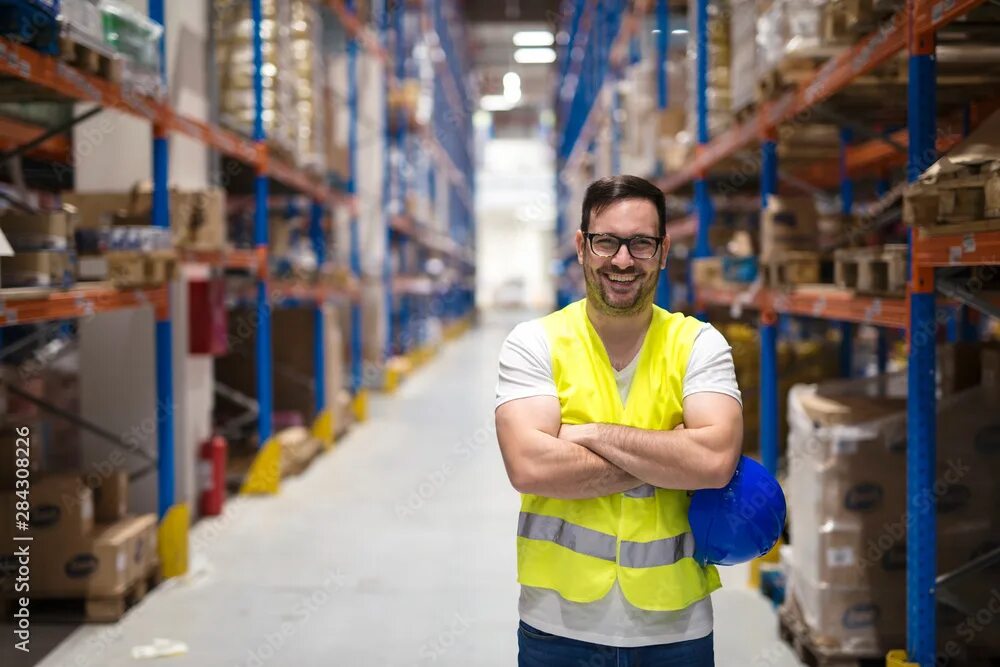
(620,279)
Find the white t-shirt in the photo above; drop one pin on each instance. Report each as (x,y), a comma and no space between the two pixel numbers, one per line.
(526,370)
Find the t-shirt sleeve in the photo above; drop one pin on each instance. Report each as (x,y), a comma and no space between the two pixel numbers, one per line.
(710,366)
(525,365)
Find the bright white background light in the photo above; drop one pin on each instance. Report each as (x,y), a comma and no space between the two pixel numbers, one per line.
(534,56)
(496,103)
(534,38)
(679,31)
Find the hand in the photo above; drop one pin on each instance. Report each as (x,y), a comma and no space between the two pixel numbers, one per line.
(579,434)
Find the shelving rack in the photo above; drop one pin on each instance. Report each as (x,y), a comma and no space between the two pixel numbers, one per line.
(50,76)
(911,30)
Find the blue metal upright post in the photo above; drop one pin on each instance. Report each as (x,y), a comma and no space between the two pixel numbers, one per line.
(318,239)
(769,324)
(164,336)
(846,208)
(352,189)
(382,12)
(769,392)
(172,532)
(265,397)
(405,335)
(921,421)
(702,201)
(663,288)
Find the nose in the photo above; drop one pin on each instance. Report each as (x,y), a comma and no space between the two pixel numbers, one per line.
(622,259)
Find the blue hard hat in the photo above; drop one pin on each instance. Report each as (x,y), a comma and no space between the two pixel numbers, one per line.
(739,522)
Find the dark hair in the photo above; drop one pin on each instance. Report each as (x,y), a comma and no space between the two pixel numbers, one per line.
(604,192)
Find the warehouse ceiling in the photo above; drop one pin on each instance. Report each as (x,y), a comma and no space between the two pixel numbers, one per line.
(492,26)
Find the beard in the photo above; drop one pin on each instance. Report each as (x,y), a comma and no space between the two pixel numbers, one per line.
(608,302)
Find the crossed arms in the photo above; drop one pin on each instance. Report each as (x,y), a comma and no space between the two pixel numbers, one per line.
(547,458)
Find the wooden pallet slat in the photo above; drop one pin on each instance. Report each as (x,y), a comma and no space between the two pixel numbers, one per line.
(96,609)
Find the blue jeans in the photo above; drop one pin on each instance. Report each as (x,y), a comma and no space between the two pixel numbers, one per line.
(541,649)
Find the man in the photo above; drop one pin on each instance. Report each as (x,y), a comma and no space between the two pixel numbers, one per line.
(608,412)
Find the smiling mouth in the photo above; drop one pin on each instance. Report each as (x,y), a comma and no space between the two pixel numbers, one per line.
(621,278)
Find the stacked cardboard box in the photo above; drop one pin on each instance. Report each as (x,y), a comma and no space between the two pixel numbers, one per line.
(42,245)
(72,555)
(848,522)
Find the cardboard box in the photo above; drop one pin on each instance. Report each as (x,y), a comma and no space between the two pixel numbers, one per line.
(197,218)
(32,232)
(36,269)
(102,564)
(62,509)
(855,619)
(707,271)
(671,121)
(959,365)
(870,555)
(788,223)
(111,497)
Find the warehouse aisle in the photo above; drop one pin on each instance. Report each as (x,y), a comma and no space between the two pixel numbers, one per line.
(394,549)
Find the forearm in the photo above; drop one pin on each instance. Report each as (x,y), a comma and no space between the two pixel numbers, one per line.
(689,459)
(555,468)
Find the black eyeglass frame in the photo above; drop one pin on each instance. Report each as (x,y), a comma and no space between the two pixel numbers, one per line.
(626,241)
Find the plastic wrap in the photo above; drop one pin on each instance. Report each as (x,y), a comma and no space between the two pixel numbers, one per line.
(785,28)
(235,67)
(743,72)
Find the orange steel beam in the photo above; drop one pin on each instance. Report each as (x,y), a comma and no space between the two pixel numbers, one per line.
(837,74)
(14,133)
(80,302)
(979,249)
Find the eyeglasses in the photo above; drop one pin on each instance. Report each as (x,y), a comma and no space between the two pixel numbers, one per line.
(608,245)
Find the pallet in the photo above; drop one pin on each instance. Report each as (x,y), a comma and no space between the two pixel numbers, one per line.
(963,201)
(794,632)
(96,609)
(878,270)
(794,267)
(75,51)
(128,269)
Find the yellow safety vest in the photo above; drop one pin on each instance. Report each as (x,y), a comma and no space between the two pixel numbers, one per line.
(642,536)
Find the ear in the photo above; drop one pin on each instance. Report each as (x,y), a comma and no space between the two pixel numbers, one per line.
(664,250)
(579,246)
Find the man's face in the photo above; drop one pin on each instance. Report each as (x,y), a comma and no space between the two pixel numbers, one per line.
(621,284)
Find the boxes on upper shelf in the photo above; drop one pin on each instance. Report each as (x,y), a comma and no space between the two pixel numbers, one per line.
(49,230)
(788,223)
(36,269)
(197,218)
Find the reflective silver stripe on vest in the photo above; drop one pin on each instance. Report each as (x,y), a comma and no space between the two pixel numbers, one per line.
(576,538)
(658,552)
(644,491)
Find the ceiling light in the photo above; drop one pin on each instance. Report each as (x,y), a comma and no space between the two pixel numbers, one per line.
(534,56)
(512,95)
(656,31)
(495,103)
(511,80)
(679,31)
(534,38)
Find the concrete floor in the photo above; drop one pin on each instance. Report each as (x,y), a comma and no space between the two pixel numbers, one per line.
(394,549)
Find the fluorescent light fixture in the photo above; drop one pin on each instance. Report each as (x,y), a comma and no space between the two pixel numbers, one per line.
(511,80)
(534,38)
(495,103)
(534,56)
(679,31)
(512,95)
(656,31)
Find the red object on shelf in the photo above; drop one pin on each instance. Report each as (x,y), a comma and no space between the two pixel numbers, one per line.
(212,476)
(207,323)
